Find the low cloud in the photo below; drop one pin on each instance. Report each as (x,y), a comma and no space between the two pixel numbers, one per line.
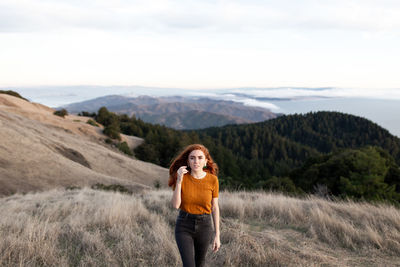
(256,103)
(307,93)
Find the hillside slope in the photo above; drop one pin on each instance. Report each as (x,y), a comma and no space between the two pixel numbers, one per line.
(93,228)
(39,150)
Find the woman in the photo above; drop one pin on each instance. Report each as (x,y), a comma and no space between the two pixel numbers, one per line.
(195,184)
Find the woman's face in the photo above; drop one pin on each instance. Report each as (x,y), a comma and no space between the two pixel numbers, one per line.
(197,160)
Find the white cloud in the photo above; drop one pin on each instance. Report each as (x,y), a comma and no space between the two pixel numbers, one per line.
(200,44)
(308,93)
(256,103)
(220,16)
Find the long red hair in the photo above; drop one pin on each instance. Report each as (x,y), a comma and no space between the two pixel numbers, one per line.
(182,160)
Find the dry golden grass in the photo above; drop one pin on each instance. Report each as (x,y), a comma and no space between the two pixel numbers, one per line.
(40,151)
(95,228)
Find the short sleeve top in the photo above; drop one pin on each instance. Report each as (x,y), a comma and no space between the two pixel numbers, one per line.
(197,194)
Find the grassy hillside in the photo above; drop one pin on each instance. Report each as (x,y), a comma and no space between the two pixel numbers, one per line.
(96,228)
(13,93)
(41,151)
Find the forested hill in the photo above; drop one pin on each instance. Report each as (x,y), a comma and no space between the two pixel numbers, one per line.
(259,155)
(276,147)
(321,131)
(327,131)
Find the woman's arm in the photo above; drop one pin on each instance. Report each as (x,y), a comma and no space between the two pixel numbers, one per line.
(176,196)
(215,216)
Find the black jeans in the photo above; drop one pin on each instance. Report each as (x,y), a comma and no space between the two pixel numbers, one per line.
(193,235)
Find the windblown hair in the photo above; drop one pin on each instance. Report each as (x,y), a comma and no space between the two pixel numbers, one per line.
(182,160)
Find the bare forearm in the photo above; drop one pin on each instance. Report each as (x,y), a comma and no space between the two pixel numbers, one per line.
(215,215)
(176,197)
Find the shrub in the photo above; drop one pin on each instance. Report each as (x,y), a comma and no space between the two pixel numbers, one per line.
(72,187)
(9,92)
(92,122)
(157,184)
(107,118)
(280,184)
(111,187)
(62,112)
(112,131)
(125,148)
(87,114)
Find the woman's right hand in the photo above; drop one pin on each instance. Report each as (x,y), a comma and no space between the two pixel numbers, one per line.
(181,171)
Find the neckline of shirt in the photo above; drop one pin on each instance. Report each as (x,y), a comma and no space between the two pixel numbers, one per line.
(197,179)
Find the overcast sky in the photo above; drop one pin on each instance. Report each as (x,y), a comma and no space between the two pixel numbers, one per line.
(201,44)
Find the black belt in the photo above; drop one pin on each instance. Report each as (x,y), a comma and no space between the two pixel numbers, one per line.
(194,216)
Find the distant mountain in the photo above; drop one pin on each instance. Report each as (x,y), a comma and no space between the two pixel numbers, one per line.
(198,119)
(177,112)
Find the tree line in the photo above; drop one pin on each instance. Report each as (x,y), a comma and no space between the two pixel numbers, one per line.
(293,153)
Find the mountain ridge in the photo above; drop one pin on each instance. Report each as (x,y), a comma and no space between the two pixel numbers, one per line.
(159,110)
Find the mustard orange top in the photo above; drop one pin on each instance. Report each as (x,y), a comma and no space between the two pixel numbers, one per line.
(196,194)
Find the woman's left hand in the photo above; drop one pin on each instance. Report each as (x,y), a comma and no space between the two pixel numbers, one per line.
(216,244)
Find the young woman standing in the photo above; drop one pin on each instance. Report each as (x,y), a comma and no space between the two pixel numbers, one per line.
(193,177)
